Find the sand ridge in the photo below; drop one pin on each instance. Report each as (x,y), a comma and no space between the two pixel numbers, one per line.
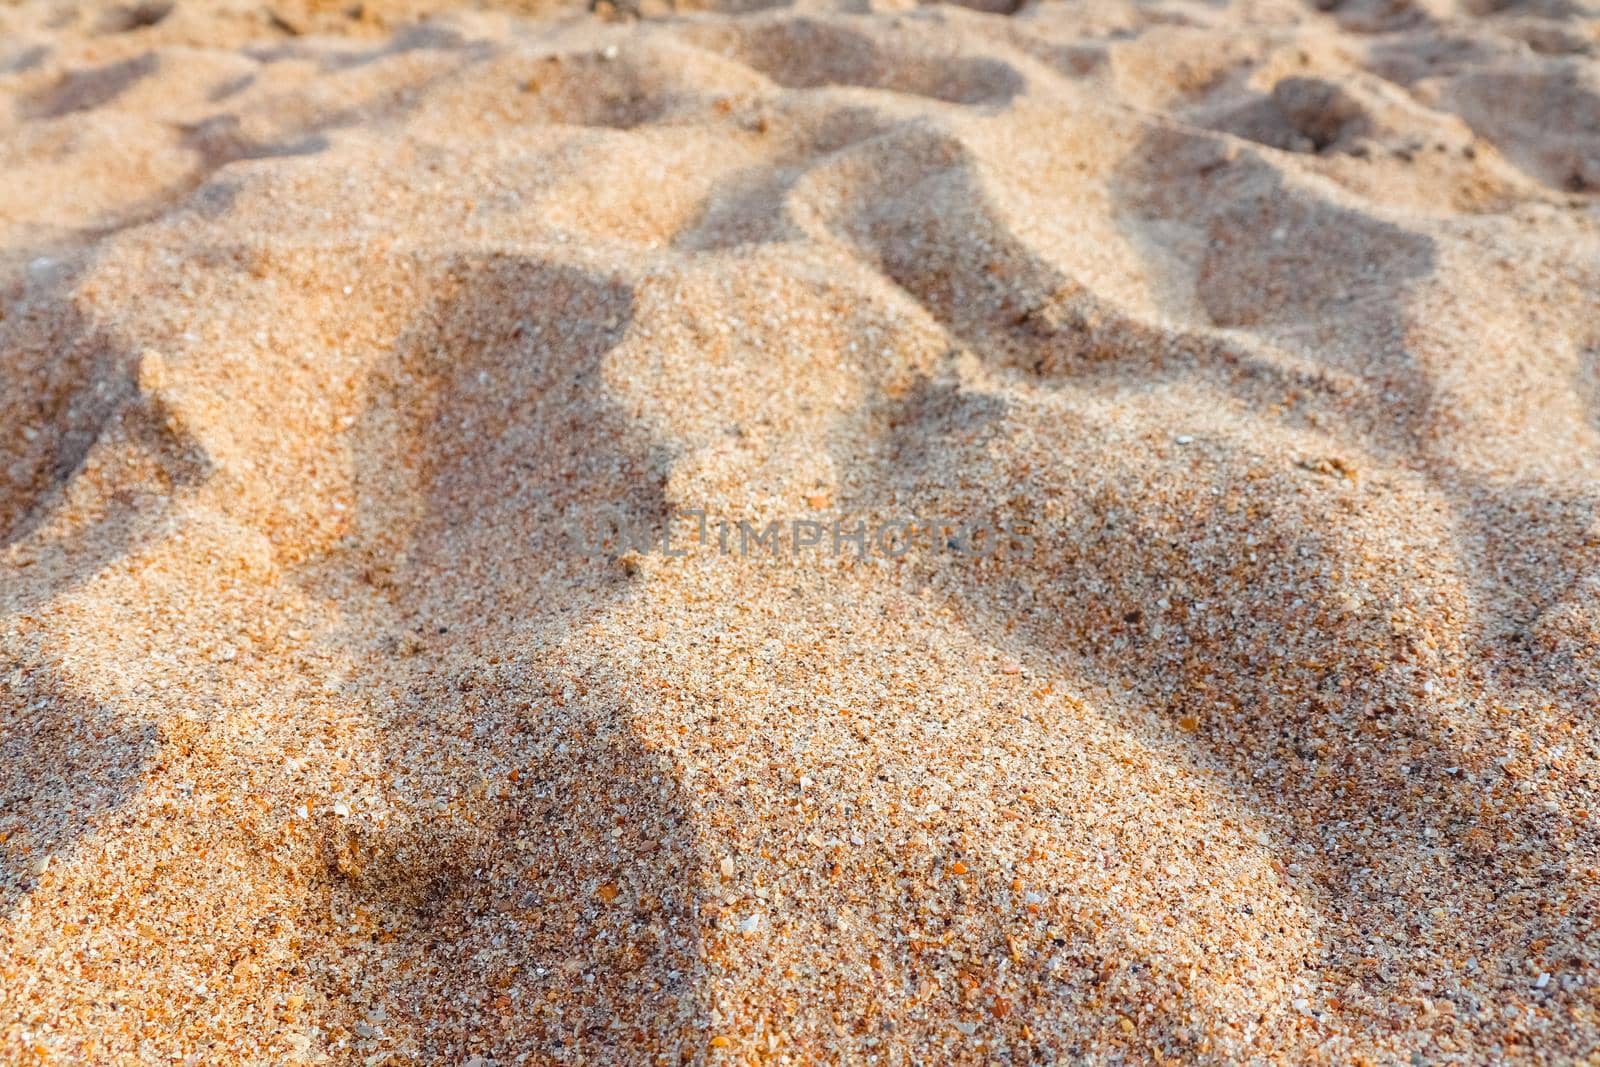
(1278,328)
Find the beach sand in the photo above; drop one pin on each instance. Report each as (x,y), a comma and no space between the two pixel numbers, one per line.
(1232,698)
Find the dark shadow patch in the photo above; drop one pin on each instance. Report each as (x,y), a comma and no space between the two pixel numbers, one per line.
(1376,16)
(1297,268)
(936,235)
(125,18)
(986,7)
(414,38)
(88,89)
(537,844)
(1310,703)
(77,396)
(936,415)
(804,53)
(1544,117)
(748,206)
(574,875)
(149,460)
(74,385)
(1530,548)
(1286,264)
(24,60)
(232,87)
(65,379)
(64,762)
(1586,381)
(1276,258)
(1302,115)
(591,90)
(494,414)
(219,141)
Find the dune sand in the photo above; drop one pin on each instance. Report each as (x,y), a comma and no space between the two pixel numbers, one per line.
(1234,700)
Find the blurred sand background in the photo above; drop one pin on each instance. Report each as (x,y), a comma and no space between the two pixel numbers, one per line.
(1279,324)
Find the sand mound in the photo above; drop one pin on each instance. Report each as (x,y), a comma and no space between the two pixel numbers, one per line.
(803,534)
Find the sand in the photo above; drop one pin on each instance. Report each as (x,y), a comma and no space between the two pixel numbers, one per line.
(386,678)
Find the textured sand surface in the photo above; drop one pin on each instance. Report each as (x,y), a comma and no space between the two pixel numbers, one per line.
(1267,733)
